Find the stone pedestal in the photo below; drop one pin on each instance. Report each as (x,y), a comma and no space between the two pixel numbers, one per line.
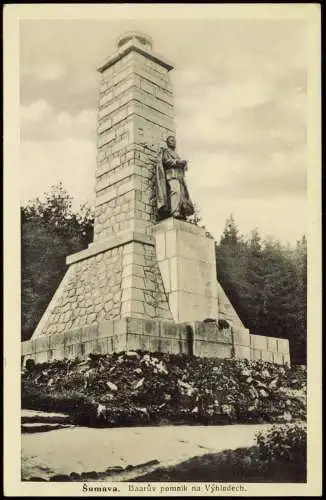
(186,259)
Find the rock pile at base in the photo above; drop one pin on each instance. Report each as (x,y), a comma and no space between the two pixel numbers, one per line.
(138,388)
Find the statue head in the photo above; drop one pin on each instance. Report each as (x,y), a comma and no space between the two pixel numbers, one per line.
(171,141)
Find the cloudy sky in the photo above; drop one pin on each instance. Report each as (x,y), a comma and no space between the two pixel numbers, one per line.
(240,89)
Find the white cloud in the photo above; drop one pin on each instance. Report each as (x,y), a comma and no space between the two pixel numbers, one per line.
(35,112)
(222,100)
(47,71)
(81,82)
(40,122)
(52,71)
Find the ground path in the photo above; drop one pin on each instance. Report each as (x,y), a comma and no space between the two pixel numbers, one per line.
(83,449)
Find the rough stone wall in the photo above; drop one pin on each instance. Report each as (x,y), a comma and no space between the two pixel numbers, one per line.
(210,342)
(143,289)
(91,292)
(135,116)
(127,202)
(109,336)
(123,281)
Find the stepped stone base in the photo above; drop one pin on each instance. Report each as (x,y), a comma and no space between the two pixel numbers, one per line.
(130,334)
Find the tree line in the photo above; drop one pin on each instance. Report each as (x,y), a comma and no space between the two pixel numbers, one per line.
(265,281)
(267,284)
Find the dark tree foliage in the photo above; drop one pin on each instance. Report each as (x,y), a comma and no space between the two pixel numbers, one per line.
(231,264)
(267,285)
(51,230)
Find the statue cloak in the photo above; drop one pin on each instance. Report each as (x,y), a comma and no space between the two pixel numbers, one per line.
(161,186)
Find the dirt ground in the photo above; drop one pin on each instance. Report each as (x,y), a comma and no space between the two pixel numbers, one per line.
(120,454)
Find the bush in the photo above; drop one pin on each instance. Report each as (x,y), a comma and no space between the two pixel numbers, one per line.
(138,388)
(81,409)
(286,442)
(242,465)
(30,365)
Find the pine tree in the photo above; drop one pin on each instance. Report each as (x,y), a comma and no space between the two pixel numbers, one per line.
(255,284)
(230,236)
(231,263)
(280,286)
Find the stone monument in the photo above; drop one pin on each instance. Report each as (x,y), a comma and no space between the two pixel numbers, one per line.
(148,280)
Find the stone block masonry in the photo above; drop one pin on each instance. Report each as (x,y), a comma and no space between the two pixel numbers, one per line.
(135,116)
(122,334)
(140,284)
(109,336)
(125,197)
(118,282)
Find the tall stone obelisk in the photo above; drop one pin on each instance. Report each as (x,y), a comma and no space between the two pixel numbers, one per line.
(135,117)
(118,274)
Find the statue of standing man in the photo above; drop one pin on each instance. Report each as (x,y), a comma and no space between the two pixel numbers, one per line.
(173,199)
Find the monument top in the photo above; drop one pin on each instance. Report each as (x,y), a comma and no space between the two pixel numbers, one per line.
(137,42)
(135,36)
